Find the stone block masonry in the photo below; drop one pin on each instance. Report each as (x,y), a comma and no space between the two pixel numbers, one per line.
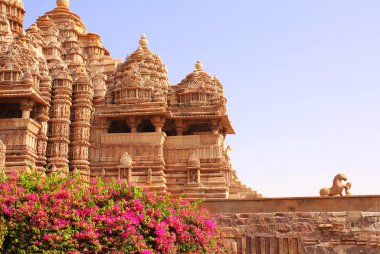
(348,225)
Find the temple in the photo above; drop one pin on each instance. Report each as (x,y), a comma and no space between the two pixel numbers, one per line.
(66,104)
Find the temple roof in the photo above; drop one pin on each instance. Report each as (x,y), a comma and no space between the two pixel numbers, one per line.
(200,78)
(64,18)
(143,68)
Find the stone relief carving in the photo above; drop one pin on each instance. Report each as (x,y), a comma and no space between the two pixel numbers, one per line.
(126,160)
(194,161)
(194,176)
(149,177)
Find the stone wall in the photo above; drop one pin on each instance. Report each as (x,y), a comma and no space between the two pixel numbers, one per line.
(337,226)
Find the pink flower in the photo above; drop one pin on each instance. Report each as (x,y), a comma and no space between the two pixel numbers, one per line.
(46,237)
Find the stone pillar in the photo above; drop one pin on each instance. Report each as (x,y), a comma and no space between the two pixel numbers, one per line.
(26,107)
(179,127)
(215,126)
(2,155)
(133,124)
(42,139)
(58,143)
(82,109)
(158,123)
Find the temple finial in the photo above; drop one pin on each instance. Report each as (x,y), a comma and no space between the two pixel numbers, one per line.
(199,66)
(63,3)
(143,41)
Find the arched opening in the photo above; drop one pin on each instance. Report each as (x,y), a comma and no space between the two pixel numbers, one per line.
(119,127)
(146,126)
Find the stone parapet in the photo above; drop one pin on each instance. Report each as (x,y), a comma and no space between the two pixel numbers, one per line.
(153,138)
(349,225)
(301,204)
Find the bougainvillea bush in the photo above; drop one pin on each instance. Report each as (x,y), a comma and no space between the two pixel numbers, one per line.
(61,214)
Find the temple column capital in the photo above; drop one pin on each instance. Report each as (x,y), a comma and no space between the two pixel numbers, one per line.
(26,107)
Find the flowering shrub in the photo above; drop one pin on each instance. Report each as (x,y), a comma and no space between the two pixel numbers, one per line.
(61,214)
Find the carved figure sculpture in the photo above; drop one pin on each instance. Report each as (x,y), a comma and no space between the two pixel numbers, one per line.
(337,187)
(347,188)
(150,176)
(194,176)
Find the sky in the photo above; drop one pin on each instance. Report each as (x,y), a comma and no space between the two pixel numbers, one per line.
(302,78)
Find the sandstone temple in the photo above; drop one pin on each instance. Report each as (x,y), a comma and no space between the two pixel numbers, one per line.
(66,104)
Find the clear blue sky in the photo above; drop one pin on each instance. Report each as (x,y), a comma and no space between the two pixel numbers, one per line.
(302,78)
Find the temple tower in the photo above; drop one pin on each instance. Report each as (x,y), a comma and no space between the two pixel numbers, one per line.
(77,59)
(65,104)
(132,119)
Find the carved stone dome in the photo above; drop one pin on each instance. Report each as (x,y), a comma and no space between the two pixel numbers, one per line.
(199,88)
(142,71)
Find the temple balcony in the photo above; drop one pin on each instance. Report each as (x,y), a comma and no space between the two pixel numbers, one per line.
(178,149)
(144,148)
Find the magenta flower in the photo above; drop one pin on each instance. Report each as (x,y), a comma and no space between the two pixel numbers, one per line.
(57,213)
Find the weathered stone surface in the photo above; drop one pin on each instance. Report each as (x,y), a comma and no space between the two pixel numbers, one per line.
(301,232)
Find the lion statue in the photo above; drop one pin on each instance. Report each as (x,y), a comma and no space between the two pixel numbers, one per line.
(337,188)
